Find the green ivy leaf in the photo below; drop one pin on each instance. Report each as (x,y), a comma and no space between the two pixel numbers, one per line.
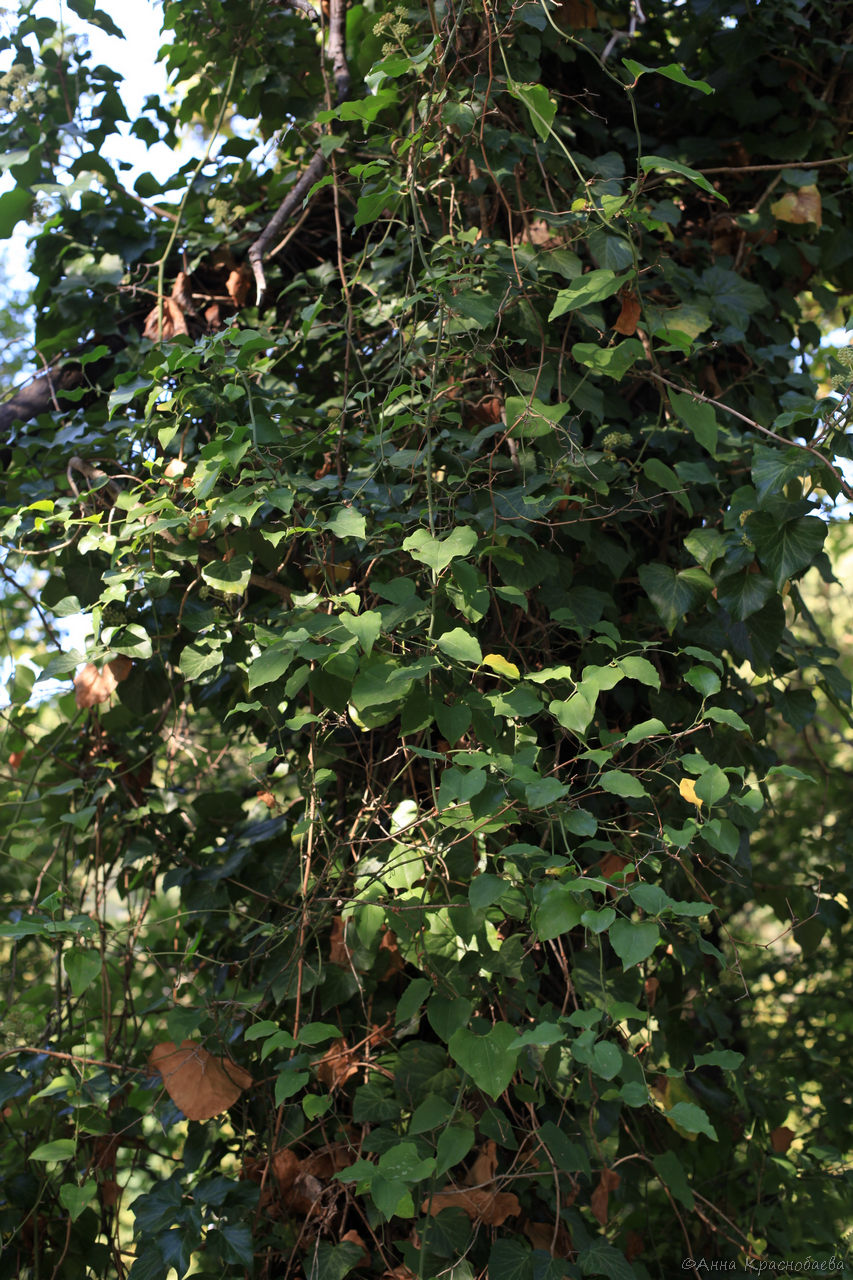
(231,577)
(540,106)
(670,1170)
(661,164)
(691,1118)
(673,594)
(786,548)
(633,942)
(461,645)
(437,553)
(671,70)
(490,1059)
(82,966)
(595,286)
(612,361)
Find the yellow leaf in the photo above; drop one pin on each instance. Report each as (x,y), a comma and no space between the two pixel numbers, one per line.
(687,790)
(802,205)
(500,664)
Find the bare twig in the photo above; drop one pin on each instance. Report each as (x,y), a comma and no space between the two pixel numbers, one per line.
(773,168)
(845,488)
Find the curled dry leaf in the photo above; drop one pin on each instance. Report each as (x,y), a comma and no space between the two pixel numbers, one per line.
(109,1191)
(628,318)
(182,293)
(485,1166)
(388,948)
(267,798)
(489,1207)
(15,760)
(339,952)
(293,1184)
(198,525)
(238,284)
(651,988)
(578,14)
(199,1084)
(173,321)
(608,1182)
(337,1064)
(92,686)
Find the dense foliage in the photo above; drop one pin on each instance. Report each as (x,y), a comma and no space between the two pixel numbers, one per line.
(422,876)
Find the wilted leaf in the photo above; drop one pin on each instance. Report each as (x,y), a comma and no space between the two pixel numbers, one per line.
(799,206)
(541,1236)
(199,1084)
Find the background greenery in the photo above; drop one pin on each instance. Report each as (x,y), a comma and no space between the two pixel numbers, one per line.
(440,865)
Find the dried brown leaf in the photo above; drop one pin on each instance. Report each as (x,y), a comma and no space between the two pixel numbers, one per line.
(489,1207)
(799,206)
(395,961)
(238,284)
(352,1237)
(121,668)
(485,1166)
(173,321)
(199,1084)
(182,293)
(608,1182)
(541,1236)
(339,952)
(337,1064)
(628,318)
(92,686)
(634,1245)
(781,1139)
(579,14)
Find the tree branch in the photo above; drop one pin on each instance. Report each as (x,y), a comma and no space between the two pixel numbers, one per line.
(312,174)
(37,396)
